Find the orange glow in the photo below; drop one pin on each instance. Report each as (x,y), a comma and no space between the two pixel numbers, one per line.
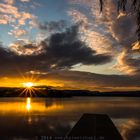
(28,84)
(28,105)
(60,84)
(28,91)
(22,81)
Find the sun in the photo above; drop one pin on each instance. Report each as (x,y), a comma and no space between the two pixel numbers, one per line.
(29,89)
(28,84)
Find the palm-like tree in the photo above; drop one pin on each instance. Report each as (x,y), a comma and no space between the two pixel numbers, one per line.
(122,6)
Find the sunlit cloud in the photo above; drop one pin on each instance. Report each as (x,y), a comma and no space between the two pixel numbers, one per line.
(136,46)
(128,62)
(25,0)
(18,32)
(10,2)
(121,14)
(92,30)
(109,31)
(16,18)
(122,63)
(129,128)
(25,47)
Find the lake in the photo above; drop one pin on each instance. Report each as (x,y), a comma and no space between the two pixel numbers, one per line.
(27,118)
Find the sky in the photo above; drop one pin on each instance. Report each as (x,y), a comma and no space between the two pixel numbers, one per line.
(69,44)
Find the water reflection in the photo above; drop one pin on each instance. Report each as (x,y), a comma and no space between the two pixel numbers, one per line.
(28,104)
(12,106)
(24,117)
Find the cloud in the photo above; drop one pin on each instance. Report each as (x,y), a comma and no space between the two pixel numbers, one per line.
(130,129)
(53,26)
(136,46)
(60,51)
(25,47)
(92,81)
(108,31)
(129,62)
(10,2)
(67,45)
(16,18)
(123,29)
(9,10)
(17,32)
(53,58)
(94,40)
(5,19)
(24,17)
(25,0)
(94,31)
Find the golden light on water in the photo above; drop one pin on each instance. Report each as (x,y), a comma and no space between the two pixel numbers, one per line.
(28,104)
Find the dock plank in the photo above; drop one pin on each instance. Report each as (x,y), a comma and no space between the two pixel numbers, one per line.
(94,127)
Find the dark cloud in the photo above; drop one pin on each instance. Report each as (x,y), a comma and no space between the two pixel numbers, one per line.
(59,51)
(69,50)
(53,26)
(92,80)
(124,30)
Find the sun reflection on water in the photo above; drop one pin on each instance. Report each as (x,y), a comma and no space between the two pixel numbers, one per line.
(40,115)
(28,104)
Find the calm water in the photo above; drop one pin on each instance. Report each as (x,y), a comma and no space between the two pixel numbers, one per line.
(24,117)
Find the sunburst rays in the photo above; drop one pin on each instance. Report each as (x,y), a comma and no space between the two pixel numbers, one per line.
(28,84)
(28,92)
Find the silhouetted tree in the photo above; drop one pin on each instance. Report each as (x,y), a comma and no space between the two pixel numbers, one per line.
(122,6)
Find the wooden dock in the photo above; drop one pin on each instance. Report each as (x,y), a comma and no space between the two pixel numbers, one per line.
(94,127)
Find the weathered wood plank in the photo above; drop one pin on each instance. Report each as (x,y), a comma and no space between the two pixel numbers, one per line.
(94,127)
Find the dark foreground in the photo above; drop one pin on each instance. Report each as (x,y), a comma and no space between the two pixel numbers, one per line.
(94,127)
(33,118)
